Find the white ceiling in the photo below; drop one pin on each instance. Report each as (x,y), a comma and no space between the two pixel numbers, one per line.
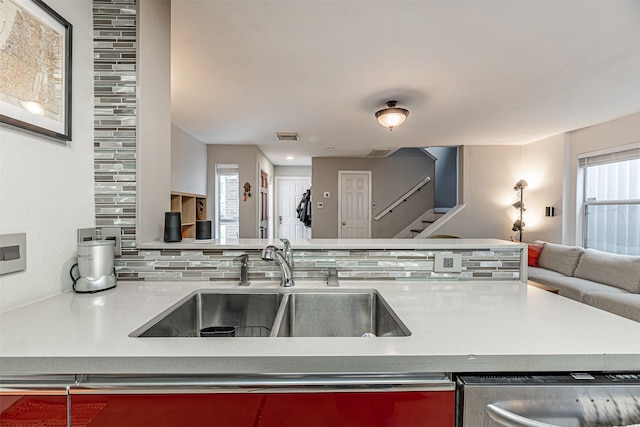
(470,72)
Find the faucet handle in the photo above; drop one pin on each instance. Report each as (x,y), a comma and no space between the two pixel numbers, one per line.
(244,259)
(332,277)
(287,243)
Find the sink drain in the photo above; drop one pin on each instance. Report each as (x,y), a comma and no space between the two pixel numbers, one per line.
(219,331)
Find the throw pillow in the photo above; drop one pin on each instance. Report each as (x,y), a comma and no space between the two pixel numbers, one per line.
(534,254)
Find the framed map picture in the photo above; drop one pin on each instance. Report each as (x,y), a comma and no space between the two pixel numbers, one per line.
(35,68)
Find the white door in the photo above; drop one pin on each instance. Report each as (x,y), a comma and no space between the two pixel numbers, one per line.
(289,193)
(355,209)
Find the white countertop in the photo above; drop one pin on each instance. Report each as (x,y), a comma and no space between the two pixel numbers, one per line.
(343,244)
(456,327)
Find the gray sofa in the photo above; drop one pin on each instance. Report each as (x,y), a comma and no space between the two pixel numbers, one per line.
(607,281)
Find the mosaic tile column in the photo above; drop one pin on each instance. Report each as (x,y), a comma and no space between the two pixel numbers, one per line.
(115,121)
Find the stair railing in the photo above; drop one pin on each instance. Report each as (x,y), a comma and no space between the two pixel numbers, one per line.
(402,198)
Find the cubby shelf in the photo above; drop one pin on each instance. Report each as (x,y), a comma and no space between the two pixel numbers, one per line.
(192,208)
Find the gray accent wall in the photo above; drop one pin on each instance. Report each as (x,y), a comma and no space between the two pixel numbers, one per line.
(296,171)
(391,178)
(249,159)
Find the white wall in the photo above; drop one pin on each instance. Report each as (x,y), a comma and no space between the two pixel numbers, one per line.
(542,167)
(188,163)
(490,172)
(550,167)
(47,187)
(154,118)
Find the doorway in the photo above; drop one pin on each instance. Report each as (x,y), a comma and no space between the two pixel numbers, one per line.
(263,221)
(289,192)
(354,206)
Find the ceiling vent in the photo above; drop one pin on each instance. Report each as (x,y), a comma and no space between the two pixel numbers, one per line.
(374,154)
(287,136)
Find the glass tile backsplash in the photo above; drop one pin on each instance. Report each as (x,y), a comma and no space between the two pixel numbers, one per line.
(314,265)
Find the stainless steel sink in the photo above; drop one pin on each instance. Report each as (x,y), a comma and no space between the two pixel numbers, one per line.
(338,313)
(216,314)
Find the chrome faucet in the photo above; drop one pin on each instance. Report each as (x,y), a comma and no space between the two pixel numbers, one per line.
(244,269)
(271,253)
(288,251)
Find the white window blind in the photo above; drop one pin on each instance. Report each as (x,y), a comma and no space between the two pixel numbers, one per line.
(603,159)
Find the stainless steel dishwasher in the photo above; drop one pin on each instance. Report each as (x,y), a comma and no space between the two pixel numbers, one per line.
(554,400)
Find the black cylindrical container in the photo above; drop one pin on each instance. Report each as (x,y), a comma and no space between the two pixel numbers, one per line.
(203,230)
(172,227)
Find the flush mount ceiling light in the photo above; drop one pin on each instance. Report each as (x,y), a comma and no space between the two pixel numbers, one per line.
(392,116)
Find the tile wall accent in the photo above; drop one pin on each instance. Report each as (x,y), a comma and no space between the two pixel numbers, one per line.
(219,264)
(115,119)
(115,115)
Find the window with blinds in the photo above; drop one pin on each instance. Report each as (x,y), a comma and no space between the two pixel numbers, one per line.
(227,213)
(611,201)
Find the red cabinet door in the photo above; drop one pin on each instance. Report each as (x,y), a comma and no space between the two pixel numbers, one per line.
(359,409)
(164,410)
(49,410)
(308,409)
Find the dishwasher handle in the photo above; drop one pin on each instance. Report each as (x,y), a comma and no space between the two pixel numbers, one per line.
(509,419)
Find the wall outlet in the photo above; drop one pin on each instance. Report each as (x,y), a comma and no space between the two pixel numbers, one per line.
(447,262)
(13,252)
(115,234)
(86,234)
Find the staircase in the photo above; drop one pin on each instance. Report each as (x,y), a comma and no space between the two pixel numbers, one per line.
(425,223)
(428,223)
(419,225)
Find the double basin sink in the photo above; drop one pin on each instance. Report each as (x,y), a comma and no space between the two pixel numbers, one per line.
(276,313)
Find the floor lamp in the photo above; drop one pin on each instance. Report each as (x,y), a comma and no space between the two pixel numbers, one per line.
(519,224)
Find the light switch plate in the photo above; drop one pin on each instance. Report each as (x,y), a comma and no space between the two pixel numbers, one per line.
(86,234)
(17,261)
(327,195)
(319,205)
(447,262)
(115,234)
